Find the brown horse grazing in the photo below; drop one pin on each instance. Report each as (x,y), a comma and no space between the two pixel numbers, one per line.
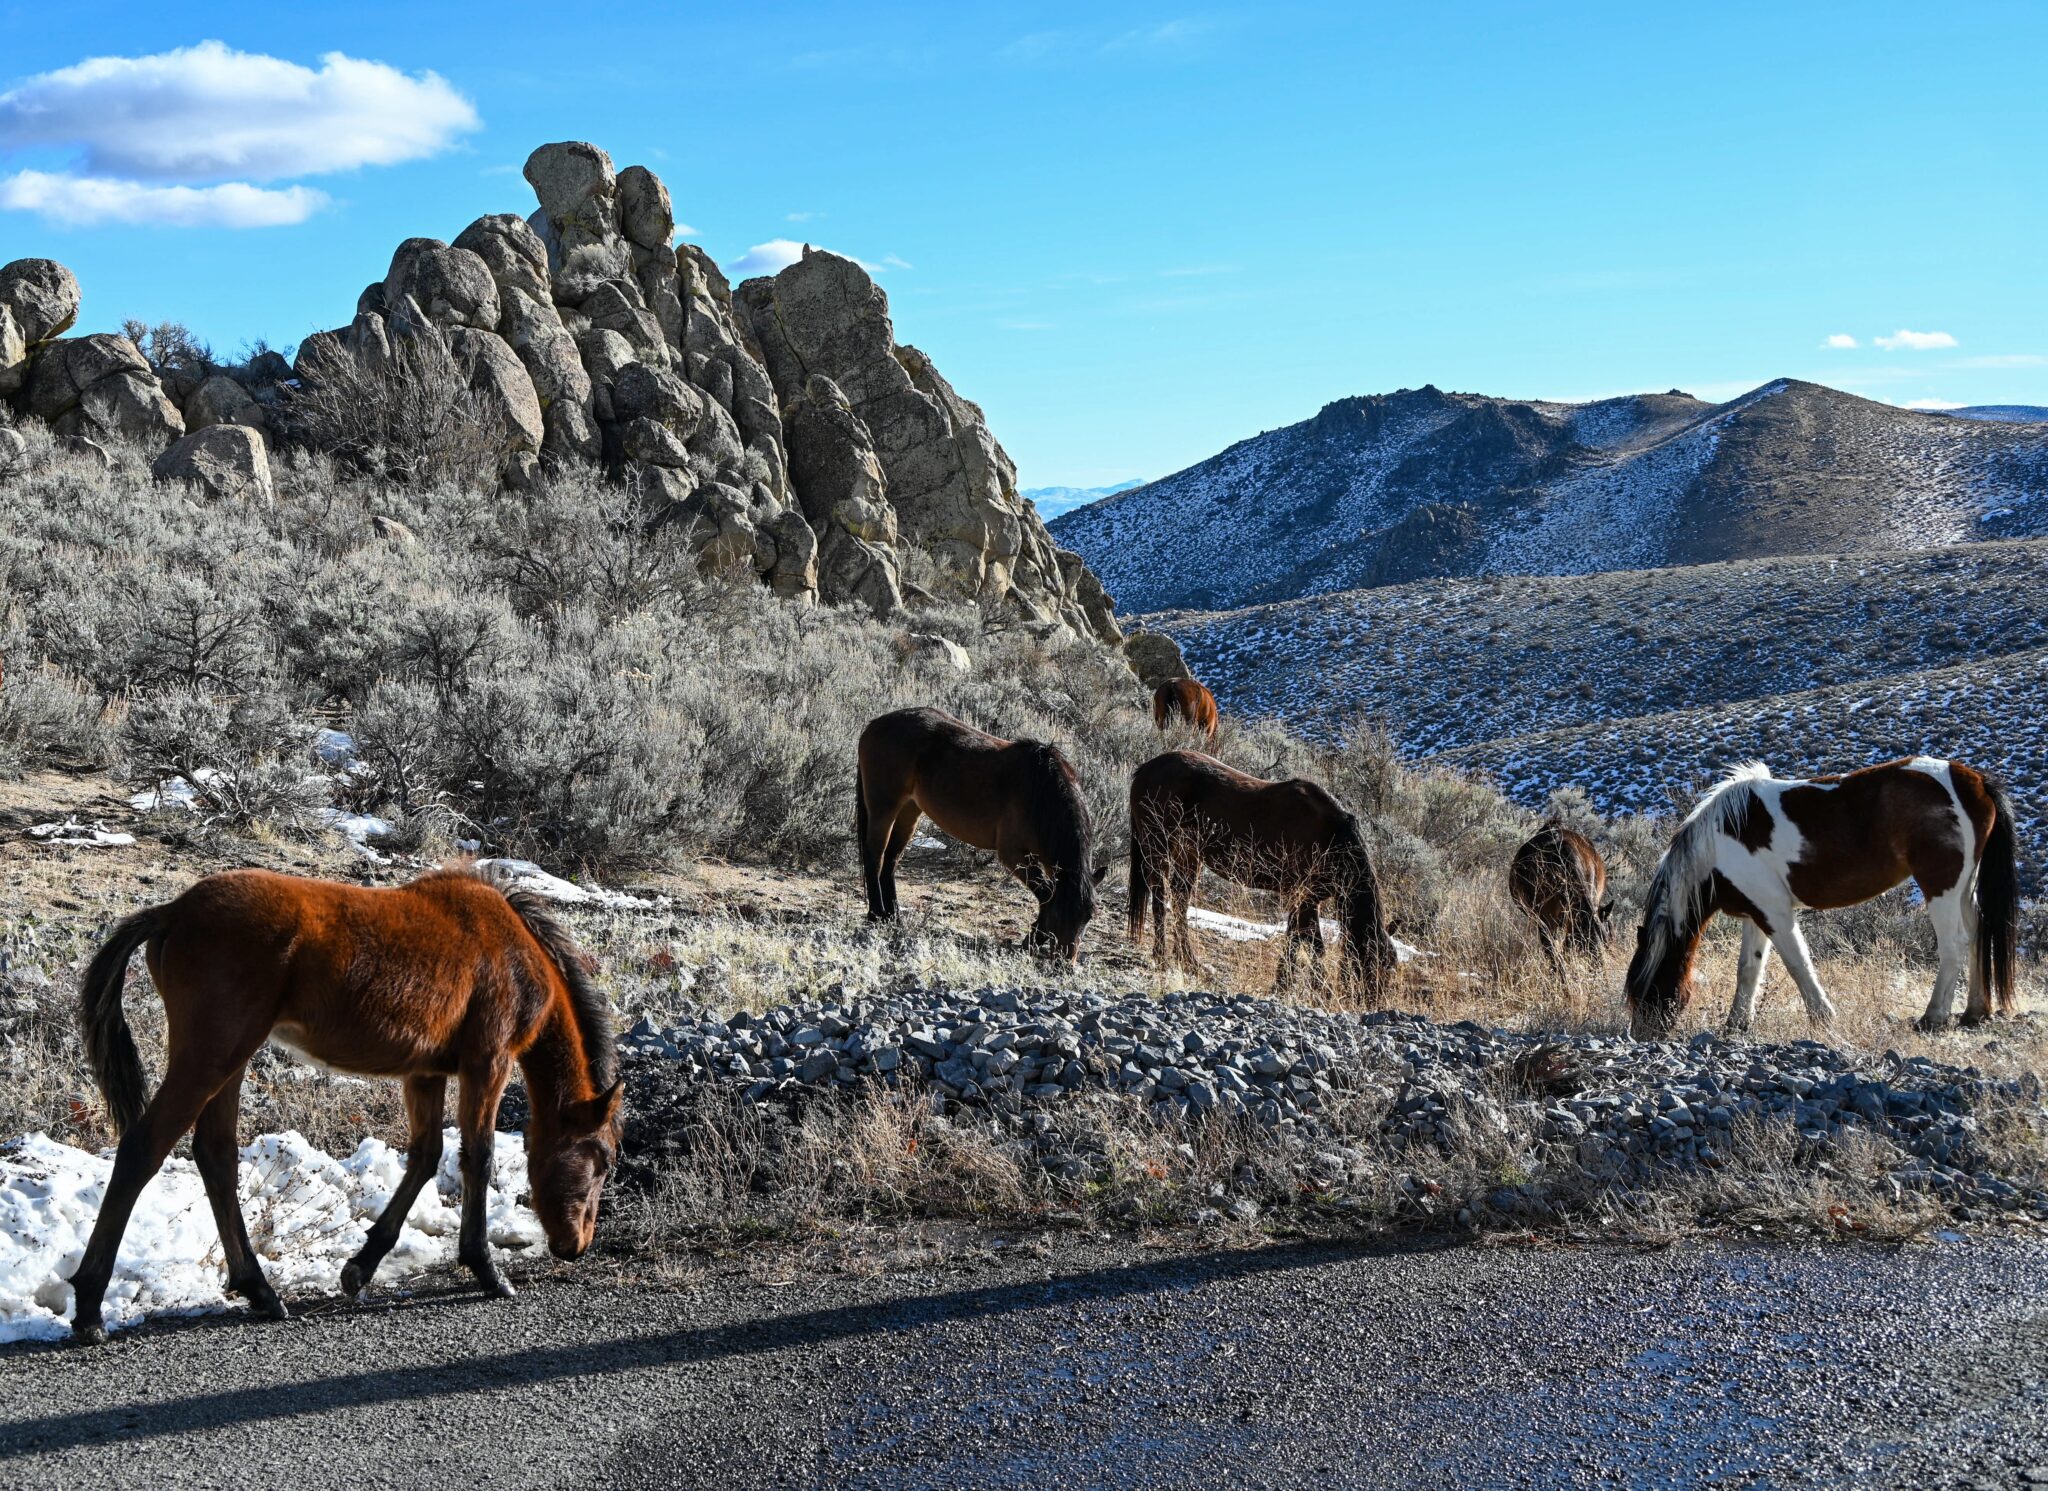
(1559,878)
(1184,699)
(1291,838)
(450,976)
(1759,848)
(1019,798)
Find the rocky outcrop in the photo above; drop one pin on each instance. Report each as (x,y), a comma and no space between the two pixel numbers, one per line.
(840,482)
(783,426)
(951,485)
(225,462)
(100,386)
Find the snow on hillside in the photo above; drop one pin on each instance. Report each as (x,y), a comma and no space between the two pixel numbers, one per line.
(1419,483)
(1657,762)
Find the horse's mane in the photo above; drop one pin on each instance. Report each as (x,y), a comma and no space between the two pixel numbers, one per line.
(587,1004)
(1675,903)
(1052,794)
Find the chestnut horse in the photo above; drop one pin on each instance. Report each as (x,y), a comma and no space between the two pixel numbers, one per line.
(450,976)
(1759,848)
(1019,798)
(1184,699)
(1291,838)
(1559,878)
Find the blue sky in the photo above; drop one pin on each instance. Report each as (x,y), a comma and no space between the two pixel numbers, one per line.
(1133,233)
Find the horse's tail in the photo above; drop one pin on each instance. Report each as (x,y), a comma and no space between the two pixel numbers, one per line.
(109,1044)
(1368,951)
(1998,902)
(1143,871)
(860,815)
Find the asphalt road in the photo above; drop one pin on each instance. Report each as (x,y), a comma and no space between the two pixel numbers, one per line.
(1285,1366)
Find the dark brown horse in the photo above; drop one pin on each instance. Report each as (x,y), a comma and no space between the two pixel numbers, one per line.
(1018,798)
(1559,878)
(1291,838)
(1185,700)
(450,976)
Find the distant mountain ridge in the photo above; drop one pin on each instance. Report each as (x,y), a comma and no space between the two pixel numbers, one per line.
(1423,484)
(1052,501)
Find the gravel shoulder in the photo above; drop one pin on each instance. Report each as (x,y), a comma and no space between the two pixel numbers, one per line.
(1422,1364)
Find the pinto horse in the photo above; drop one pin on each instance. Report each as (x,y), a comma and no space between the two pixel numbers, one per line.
(450,976)
(1559,879)
(1018,798)
(1184,699)
(1291,838)
(1760,848)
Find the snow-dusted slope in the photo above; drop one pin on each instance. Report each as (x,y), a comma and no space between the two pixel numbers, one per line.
(1421,483)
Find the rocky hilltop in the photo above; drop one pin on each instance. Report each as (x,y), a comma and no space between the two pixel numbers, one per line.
(1424,484)
(781,422)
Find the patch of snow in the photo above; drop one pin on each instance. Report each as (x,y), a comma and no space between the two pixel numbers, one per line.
(71,831)
(336,748)
(528,876)
(174,792)
(307,1214)
(1242,929)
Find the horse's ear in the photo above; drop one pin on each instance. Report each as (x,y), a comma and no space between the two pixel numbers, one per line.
(592,1114)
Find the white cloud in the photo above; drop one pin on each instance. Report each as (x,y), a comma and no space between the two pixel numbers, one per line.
(683,230)
(800,217)
(180,137)
(1933,406)
(1915,341)
(896,261)
(1841,340)
(92,201)
(778,254)
(209,113)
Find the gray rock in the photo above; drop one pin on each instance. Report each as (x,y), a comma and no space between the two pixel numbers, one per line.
(220,400)
(451,286)
(41,296)
(227,462)
(495,371)
(98,387)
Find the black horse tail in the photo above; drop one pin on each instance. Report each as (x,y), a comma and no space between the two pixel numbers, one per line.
(860,814)
(109,1044)
(1998,903)
(1369,954)
(1144,874)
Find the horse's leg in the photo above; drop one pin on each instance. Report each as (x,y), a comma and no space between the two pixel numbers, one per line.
(1952,938)
(477,1112)
(1186,870)
(1791,946)
(1548,938)
(874,834)
(1749,974)
(426,1099)
(217,1155)
(900,830)
(1979,1008)
(187,1088)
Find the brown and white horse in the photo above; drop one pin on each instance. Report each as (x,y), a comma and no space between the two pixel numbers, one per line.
(1759,848)
(1185,700)
(1560,880)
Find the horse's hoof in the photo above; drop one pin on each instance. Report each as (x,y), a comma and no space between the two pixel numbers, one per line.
(491,1281)
(352,1281)
(88,1333)
(1928,1026)
(263,1300)
(1977,1017)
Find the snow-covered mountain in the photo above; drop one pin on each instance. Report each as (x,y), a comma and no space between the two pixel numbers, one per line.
(1421,483)
(1052,501)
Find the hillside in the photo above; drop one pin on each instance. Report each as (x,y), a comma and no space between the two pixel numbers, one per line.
(1421,484)
(1052,501)
(1636,684)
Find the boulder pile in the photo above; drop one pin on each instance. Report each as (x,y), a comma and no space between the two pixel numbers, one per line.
(781,423)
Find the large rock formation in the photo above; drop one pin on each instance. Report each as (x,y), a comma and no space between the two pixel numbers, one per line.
(782,426)
(951,485)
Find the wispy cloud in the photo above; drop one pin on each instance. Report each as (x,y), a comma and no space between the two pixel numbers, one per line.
(179,137)
(1163,39)
(1841,341)
(1931,406)
(1194,271)
(683,230)
(1915,341)
(801,217)
(893,261)
(1025,325)
(96,201)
